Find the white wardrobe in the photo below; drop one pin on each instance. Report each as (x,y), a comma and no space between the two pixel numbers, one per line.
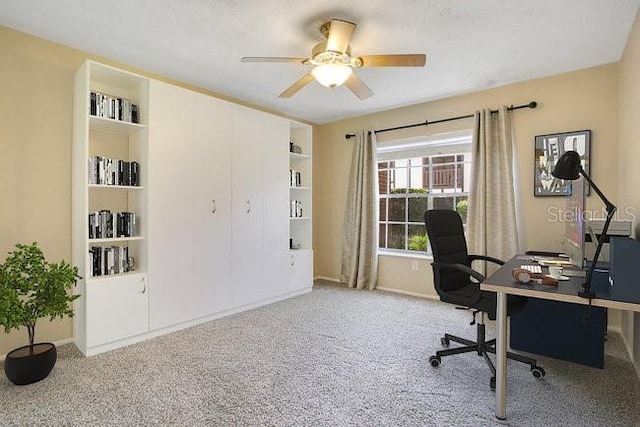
(217,222)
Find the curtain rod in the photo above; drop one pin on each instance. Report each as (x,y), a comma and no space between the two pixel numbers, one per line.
(532,104)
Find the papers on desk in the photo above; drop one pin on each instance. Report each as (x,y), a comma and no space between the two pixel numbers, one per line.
(547,261)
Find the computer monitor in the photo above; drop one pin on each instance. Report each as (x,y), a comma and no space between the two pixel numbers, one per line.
(575,223)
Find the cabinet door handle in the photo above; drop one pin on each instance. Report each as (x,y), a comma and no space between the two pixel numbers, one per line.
(144,288)
(248,206)
(293,260)
(214,206)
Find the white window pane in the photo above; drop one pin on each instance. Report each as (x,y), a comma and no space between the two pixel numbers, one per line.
(398,181)
(419,178)
(397,237)
(397,209)
(413,180)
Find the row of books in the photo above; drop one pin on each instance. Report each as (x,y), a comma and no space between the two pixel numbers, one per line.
(106,171)
(295,178)
(295,211)
(105,261)
(111,107)
(101,224)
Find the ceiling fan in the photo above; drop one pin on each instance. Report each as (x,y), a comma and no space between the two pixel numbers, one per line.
(333,63)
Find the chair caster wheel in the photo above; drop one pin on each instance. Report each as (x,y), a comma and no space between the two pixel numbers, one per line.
(445,341)
(538,372)
(492,383)
(435,361)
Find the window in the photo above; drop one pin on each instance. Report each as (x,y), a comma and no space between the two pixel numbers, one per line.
(415,176)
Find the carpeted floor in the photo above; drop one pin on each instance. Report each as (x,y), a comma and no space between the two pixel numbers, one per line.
(333,357)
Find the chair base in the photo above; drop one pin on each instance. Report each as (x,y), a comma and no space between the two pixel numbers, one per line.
(482,348)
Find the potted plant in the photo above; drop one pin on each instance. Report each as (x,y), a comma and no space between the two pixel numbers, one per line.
(32,288)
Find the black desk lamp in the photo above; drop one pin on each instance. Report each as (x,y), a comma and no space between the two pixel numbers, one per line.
(570,168)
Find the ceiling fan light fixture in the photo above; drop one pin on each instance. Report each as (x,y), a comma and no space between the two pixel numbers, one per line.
(331,75)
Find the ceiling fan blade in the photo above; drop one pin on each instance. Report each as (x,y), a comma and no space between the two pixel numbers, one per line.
(358,87)
(339,35)
(271,59)
(402,60)
(305,80)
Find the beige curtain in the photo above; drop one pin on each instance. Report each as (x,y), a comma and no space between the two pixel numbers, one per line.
(360,235)
(492,221)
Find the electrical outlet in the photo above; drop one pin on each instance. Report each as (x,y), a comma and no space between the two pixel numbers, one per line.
(414,265)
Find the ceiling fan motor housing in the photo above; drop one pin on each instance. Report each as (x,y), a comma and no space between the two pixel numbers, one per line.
(320,55)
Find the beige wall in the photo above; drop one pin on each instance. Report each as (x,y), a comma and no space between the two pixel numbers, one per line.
(629,155)
(585,99)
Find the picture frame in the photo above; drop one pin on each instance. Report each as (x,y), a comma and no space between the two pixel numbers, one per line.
(547,151)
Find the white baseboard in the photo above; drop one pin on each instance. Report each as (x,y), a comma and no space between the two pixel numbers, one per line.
(629,351)
(403,292)
(56,343)
(384,288)
(328,279)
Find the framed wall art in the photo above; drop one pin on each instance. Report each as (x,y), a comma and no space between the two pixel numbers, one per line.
(548,149)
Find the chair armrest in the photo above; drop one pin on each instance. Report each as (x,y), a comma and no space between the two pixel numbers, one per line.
(486,258)
(460,267)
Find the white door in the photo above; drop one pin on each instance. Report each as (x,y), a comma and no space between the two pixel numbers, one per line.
(301,270)
(248,208)
(170,205)
(117,308)
(275,135)
(212,205)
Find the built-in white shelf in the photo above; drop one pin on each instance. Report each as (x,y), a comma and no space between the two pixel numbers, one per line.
(113,126)
(115,239)
(115,187)
(297,156)
(106,277)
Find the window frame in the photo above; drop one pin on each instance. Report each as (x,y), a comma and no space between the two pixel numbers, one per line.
(459,147)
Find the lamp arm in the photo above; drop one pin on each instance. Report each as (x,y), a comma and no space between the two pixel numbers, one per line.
(611,210)
(586,293)
(609,206)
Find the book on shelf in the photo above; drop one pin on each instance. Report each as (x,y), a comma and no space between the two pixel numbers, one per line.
(101,224)
(112,107)
(295,178)
(106,171)
(109,260)
(295,209)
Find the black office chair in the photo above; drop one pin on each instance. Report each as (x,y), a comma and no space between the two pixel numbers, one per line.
(453,275)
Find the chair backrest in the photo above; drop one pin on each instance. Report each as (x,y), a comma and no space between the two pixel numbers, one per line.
(449,245)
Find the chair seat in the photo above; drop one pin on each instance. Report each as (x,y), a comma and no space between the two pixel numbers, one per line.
(470,296)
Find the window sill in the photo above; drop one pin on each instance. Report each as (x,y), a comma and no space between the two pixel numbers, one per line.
(409,255)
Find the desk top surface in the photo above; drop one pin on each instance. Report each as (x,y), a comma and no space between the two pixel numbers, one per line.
(566,291)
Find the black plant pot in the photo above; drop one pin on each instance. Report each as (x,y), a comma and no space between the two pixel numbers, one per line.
(30,364)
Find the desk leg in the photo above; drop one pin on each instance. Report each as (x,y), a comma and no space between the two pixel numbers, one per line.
(501,356)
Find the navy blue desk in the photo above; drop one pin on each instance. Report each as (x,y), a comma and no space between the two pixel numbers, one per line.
(563,330)
(502,283)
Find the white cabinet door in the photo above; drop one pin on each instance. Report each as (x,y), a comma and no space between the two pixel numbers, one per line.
(117,308)
(276,206)
(247,199)
(301,270)
(170,204)
(212,205)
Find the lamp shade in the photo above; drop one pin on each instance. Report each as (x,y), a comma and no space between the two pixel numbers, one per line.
(568,166)
(331,75)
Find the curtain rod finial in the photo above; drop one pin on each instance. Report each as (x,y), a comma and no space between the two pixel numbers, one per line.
(350,135)
(533,104)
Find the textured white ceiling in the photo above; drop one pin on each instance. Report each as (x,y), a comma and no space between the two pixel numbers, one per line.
(470,44)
